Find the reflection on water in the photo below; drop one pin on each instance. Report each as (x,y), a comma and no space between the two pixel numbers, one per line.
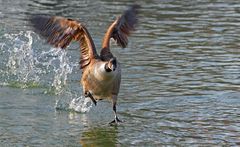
(98,136)
(180,82)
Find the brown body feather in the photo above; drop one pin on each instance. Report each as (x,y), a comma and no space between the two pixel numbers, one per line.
(101,75)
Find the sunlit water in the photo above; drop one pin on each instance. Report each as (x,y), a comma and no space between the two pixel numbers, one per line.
(180,77)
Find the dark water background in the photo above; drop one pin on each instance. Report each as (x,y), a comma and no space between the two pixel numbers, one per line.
(180,82)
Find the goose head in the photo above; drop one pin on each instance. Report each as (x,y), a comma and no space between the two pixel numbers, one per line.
(111,65)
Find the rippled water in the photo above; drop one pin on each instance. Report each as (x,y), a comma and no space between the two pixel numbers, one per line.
(180,82)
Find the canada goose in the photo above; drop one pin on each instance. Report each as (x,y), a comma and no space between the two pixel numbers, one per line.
(101,74)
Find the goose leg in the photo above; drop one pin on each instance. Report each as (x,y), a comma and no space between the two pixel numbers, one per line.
(116,119)
(88,94)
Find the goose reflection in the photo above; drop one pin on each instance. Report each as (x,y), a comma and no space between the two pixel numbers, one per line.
(100,136)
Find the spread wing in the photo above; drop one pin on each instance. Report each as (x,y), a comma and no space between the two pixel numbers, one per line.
(60,31)
(120,29)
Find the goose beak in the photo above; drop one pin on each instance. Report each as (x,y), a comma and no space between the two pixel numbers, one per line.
(113,67)
(113,63)
(109,67)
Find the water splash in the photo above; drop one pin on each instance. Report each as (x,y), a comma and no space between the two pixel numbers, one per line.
(24,65)
(80,104)
(73,103)
(18,61)
(57,62)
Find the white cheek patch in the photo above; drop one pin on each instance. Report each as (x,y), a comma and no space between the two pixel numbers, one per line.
(101,73)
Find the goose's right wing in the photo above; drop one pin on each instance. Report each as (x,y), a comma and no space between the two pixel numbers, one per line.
(120,29)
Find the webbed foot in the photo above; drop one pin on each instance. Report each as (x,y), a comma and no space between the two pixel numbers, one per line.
(115,121)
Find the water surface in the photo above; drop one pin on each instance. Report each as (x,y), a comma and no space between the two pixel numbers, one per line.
(180,76)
